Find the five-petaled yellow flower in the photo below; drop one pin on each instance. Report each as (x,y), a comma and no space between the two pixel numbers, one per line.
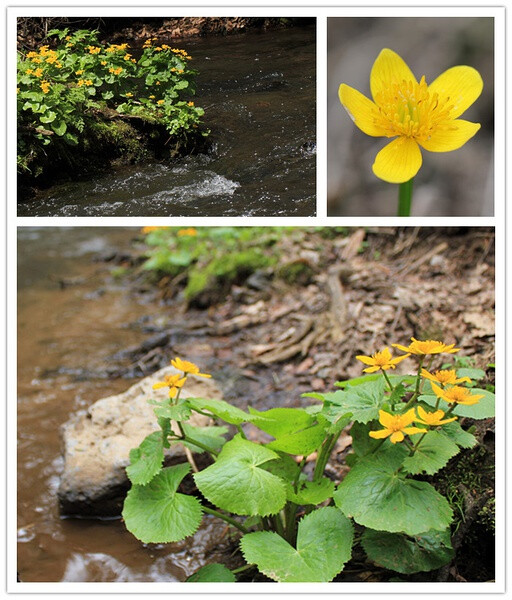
(396,425)
(432,418)
(380,361)
(187,367)
(457,394)
(173,382)
(191,231)
(445,377)
(414,113)
(426,347)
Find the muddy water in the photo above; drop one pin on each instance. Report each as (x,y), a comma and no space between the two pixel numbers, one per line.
(258,91)
(61,332)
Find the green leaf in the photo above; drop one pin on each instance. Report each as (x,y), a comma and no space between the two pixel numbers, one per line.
(324,544)
(146,460)
(280,421)
(48,117)
(212,572)
(156,513)
(432,454)
(107,95)
(237,483)
(455,432)
(181,85)
(474,374)
(71,138)
(302,442)
(220,408)
(177,412)
(362,401)
(483,409)
(404,554)
(395,379)
(362,443)
(60,128)
(312,492)
(378,496)
(209,436)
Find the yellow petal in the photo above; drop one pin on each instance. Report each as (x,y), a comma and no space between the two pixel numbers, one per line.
(388,69)
(360,110)
(451,136)
(398,162)
(460,86)
(413,430)
(367,360)
(408,417)
(371,369)
(397,436)
(400,347)
(159,385)
(422,412)
(382,433)
(386,419)
(437,390)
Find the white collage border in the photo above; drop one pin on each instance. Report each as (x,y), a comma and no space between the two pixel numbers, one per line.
(498,221)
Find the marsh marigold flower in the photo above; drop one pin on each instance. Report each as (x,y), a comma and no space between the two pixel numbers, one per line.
(396,425)
(414,113)
(189,231)
(380,360)
(427,347)
(187,367)
(445,377)
(173,382)
(432,418)
(457,395)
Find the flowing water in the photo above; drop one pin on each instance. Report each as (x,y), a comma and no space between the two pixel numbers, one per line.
(73,315)
(259,95)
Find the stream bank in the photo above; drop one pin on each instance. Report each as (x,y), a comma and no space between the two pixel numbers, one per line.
(85,333)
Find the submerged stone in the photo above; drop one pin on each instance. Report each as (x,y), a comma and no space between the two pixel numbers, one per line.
(97,444)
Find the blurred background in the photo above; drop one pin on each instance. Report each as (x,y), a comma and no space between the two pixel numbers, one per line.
(458,183)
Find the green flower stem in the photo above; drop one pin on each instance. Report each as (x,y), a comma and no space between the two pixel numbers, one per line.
(278,524)
(405,198)
(290,526)
(391,388)
(323,456)
(185,438)
(417,389)
(241,569)
(226,518)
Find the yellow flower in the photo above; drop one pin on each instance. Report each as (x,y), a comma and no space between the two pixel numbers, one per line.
(432,418)
(158,49)
(396,425)
(43,50)
(160,101)
(416,114)
(67,38)
(150,228)
(173,382)
(190,104)
(115,71)
(152,97)
(45,86)
(129,95)
(187,367)
(103,62)
(133,61)
(457,394)
(80,82)
(190,231)
(17,90)
(29,71)
(38,72)
(36,60)
(127,56)
(444,377)
(427,347)
(88,82)
(32,54)
(94,49)
(165,47)
(79,72)
(380,360)
(51,59)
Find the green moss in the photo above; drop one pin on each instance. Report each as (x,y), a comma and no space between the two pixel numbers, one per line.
(296,272)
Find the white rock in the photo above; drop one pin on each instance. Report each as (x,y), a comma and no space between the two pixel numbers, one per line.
(97,444)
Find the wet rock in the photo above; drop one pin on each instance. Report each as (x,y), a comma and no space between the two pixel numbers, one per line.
(97,445)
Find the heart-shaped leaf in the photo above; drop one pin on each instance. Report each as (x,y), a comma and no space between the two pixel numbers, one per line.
(156,513)
(405,554)
(236,482)
(213,572)
(377,495)
(432,454)
(220,408)
(324,543)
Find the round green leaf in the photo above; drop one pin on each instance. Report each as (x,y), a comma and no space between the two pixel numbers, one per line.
(146,460)
(156,513)
(237,483)
(432,454)
(220,408)
(378,496)
(213,572)
(404,554)
(324,544)
(362,401)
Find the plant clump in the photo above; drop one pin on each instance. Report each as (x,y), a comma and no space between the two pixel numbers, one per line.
(80,91)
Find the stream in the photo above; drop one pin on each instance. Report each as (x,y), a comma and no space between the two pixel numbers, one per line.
(61,332)
(259,95)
